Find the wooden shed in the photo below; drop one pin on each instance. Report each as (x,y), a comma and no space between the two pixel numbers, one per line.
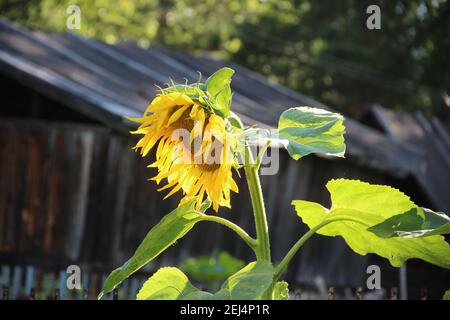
(73,192)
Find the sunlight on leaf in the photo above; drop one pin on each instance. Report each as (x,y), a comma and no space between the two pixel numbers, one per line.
(368,205)
(250,282)
(281,291)
(312,130)
(172,227)
(170,284)
(417,222)
(218,87)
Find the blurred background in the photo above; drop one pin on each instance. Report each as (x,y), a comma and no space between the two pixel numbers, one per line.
(73,192)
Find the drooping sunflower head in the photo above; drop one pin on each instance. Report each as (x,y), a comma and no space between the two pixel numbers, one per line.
(194,148)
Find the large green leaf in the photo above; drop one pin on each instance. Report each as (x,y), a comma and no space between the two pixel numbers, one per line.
(281,291)
(170,284)
(172,227)
(417,222)
(250,282)
(218,87)
(312,130)
(368,205)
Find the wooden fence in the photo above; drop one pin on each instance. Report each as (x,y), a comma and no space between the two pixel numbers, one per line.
(30,283)
(78,193)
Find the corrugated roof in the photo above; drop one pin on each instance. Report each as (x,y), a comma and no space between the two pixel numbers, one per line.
(432,140)
(107,82)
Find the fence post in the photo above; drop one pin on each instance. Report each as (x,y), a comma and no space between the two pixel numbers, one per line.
(5,293)
(298,294)
(394,293)
(359,293)
(56,294)
(423,294)
(331,293)
(85,294)
(32,294)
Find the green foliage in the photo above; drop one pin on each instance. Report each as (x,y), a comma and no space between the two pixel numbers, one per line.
(311,130)
(332,57)
(218,87)
(211,268)
(172,284)
(250,282)
(357,206)
(417,222)
(172,227)
(446,295)
(214,94)
(370,218)
(281,291)
(169,284)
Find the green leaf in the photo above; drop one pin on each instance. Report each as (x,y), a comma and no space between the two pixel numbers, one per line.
(250,282)
(194,91)
(218,87)
(234,120)
(446,295)
(170,284)
(281,291)
(417,222)
(312,130)
(211,268)
(368,205)
(172,227)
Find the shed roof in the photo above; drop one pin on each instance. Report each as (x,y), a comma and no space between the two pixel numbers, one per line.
(106,82)
(430,138)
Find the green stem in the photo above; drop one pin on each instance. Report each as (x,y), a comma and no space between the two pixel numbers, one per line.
(282,266)
(252,243)
(260,156)
(259,212)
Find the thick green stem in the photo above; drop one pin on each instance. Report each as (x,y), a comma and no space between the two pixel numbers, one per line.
(254,187)
(282,266)
(252,243)
(259,212)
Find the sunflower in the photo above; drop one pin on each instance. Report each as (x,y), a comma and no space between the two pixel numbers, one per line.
(195,151)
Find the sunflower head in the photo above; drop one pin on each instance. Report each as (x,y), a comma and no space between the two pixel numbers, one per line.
(194,146)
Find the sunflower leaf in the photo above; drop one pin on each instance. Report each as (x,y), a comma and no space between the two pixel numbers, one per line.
(417,222)
(250,282)
(219,90)
(281,291)
(170,284)
(367,206)
(172,227)
(311,130)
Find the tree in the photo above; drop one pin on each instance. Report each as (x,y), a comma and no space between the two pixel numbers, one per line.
(321,50)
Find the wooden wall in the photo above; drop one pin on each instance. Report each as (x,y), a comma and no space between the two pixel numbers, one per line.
(78,193)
